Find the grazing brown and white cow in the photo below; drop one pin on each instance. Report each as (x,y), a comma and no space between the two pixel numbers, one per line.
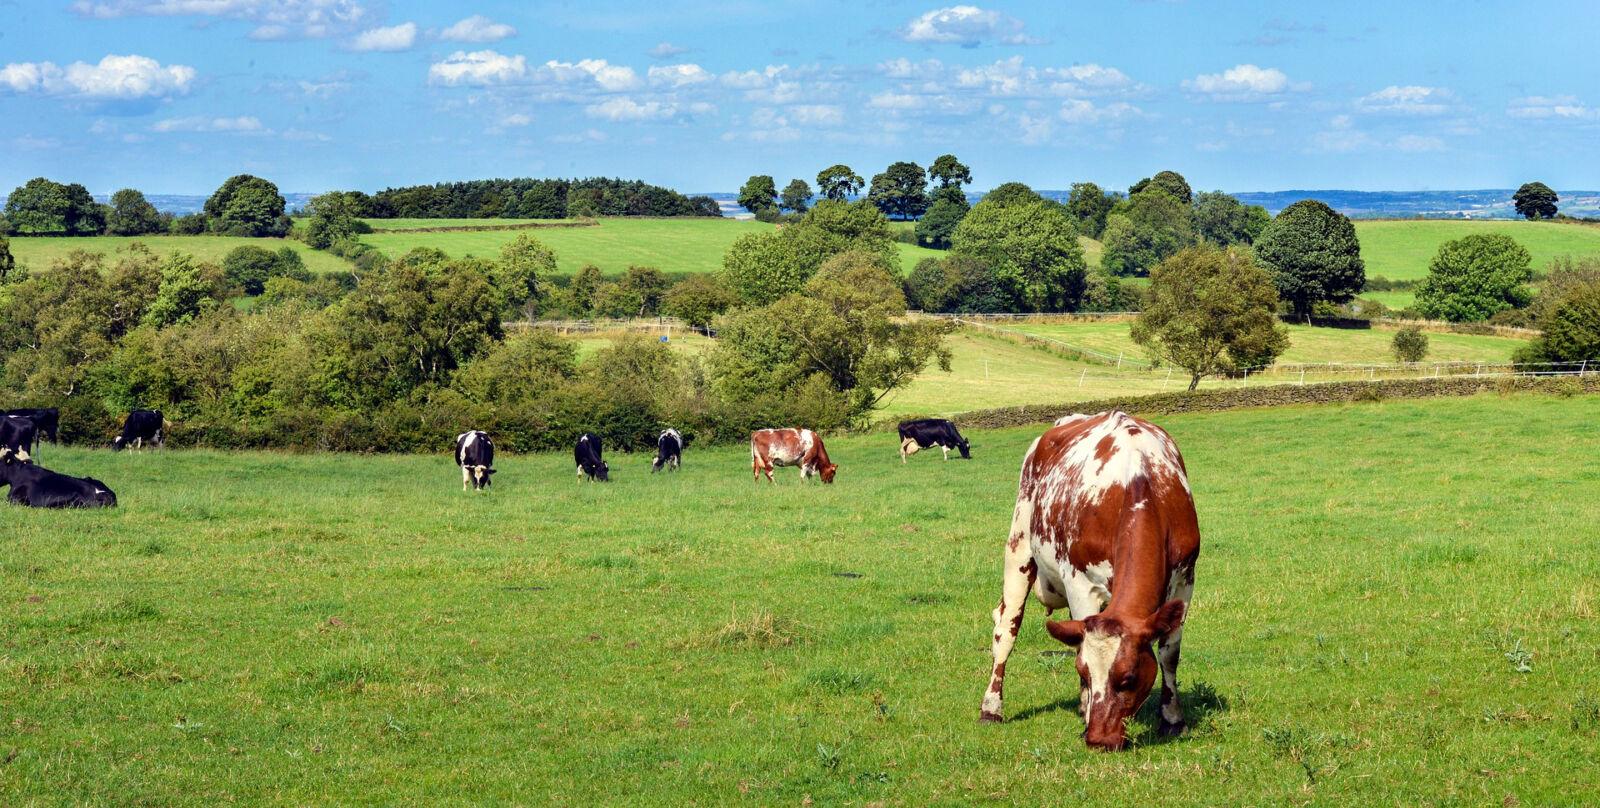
(1104,526)
(789,447)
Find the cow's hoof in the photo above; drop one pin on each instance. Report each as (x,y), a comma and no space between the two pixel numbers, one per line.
(987,717)
(1172,729)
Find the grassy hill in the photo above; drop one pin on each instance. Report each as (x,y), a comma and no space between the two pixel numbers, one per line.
(37,253)
(1401,250)
(1306,343)
(310,629)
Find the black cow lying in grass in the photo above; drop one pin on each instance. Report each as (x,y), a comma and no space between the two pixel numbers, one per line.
(39,487)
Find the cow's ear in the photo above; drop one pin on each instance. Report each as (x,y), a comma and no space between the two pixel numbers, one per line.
(491,471)
(1067,631)
(1167,619)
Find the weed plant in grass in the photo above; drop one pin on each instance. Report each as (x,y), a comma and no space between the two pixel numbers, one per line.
(1395,604)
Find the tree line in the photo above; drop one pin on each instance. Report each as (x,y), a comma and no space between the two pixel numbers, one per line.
(526,198)
(244,205)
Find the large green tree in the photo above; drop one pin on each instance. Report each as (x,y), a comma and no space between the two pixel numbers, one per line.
(1313,255)
(1569,328)
(132,215)
(247,205)
(900,191)
(1209,311)
(1144,230)
(41,207)
(948,172)
(1170,181)
(1222,219)
(1535,200)
(698,299)
(1089,206)
(524,264)
(847,329)
(762,267)
(1472,278)
(1033,249)
(838,182)
(335,218)
(7,261)
(936,228)
(759,193)
(796,196)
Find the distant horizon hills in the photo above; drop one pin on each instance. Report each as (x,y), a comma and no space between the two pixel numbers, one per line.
(1489,203)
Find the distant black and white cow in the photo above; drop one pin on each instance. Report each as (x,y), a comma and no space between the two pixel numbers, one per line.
(587,455)
(141,426)
(669,451)
(930,432)
(39,487)
(475,456)
(45,419)
(19,435)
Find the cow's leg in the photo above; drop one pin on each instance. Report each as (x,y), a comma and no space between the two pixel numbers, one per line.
(580,472)
(1020,571)
(908,447)
(946,450)
(466,478)
(1181,588)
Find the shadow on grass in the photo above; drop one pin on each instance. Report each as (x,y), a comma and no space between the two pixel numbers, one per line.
(1200,702)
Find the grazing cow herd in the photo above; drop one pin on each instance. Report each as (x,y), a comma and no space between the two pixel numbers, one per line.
(1104,526)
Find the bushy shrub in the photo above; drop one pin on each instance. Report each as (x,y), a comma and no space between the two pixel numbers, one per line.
(1410,344)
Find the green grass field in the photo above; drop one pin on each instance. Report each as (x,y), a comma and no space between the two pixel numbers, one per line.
(38,253)
(417,224)
(1307,344)
(1401,250)
(314,629)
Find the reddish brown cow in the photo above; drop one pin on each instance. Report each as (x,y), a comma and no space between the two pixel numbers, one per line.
(789,447)
(1105,526)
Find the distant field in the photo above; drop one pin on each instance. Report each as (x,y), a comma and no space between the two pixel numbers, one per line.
(1394,605)
(1401,250)
(410,224)
(1306,343)
(38,253)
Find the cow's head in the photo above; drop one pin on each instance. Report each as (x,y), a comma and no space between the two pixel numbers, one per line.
(480,476)
(604,473)
(1116,667)
(828,471)
(966,449)
(117,443)
(19,456)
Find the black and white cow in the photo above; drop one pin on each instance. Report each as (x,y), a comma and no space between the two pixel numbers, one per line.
(475,456)
(39,487)
(45,419)
(929,432)
(669,451)
(586,453)
(141,426)
(19,435)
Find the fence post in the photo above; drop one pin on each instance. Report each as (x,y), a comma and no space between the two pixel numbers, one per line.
(1584,369)
(1246,377)
(1302,375)
(1081,378)
(1119,360)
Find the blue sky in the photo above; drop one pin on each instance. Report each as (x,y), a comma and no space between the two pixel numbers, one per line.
(173,96)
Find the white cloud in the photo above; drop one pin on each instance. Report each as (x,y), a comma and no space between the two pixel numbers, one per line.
(903,68)
(586,136)
(114,78)
(303,136)
(241,125)
(1407,100)
(896,101)
(387,39)
(752,79)
(477,28)
(609,77)
(274,19)
(1242,83)
(816,114)
(1557,107)
(1034,130)
(627,109)
(967,26)
(1011,77)
(1342,136)
(516,119)
(1417,143)
(477,68)
(1080,111)
(666,50)
(682,75)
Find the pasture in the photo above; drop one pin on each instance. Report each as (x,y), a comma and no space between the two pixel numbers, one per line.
(1307,344)
(1401,249)
(1400,621)
(39,252)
